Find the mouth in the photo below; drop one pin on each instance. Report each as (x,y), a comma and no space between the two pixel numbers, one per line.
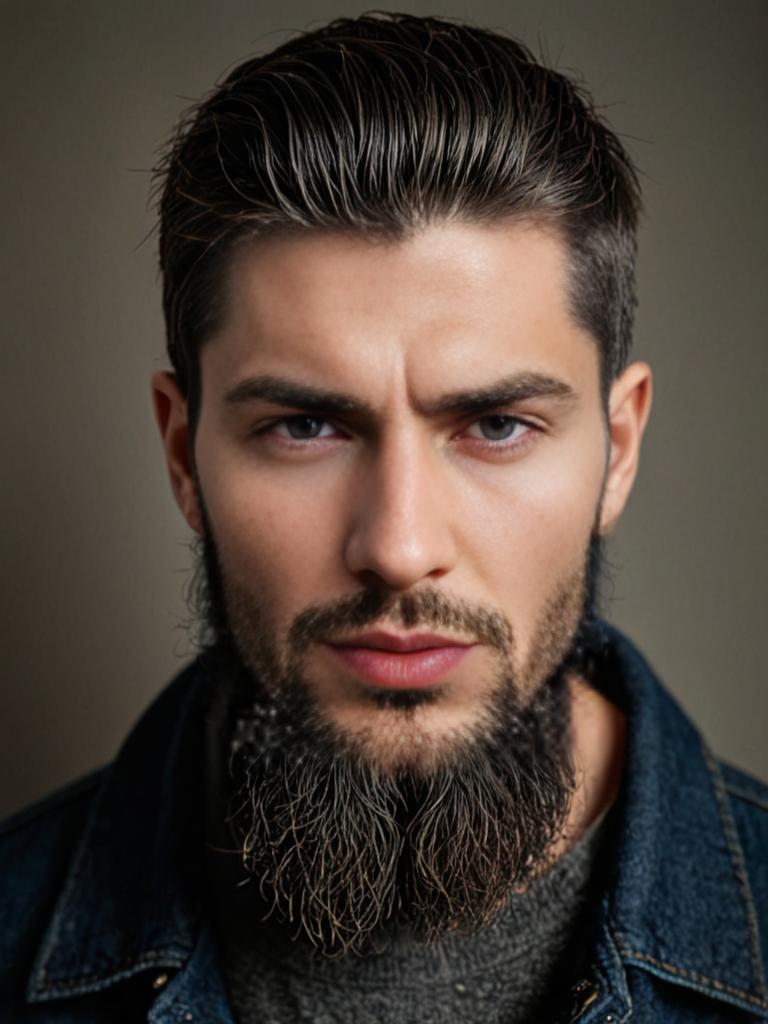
(400,662)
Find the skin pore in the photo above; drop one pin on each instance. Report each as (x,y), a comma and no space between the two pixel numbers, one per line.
(410,418)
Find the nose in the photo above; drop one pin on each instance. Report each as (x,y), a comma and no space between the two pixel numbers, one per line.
(400,532)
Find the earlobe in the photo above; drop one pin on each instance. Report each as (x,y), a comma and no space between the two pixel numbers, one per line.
(629,408)
(171,414)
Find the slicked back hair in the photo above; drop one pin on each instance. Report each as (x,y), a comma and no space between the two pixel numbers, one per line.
(383,124)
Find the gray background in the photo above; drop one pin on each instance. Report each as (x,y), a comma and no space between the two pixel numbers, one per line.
(95,554)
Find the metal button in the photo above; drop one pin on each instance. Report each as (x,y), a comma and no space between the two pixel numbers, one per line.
(583,994)
(160,980)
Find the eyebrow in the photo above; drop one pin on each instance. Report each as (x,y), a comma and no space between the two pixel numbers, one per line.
(520,387)
(508,391)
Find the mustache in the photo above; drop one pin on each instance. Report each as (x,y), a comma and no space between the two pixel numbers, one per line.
(426,607)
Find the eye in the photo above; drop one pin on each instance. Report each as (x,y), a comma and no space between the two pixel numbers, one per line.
(499,428)
(302,428)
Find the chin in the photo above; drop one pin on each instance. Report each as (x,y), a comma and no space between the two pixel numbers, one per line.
(403,735)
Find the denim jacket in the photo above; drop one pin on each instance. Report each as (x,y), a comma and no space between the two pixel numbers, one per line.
(103,918)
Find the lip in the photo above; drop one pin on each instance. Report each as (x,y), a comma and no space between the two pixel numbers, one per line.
(393,662)
(382,641)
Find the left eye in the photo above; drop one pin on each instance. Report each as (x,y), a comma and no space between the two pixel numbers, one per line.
(498,428)
(302,428)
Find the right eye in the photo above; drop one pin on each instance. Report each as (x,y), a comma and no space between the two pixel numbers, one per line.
(301,427)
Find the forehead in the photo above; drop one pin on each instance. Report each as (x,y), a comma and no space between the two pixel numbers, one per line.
(449,304)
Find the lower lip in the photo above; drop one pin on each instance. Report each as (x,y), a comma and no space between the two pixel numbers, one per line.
(401,670)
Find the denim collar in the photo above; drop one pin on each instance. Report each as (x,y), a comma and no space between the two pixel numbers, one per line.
(131,900)
(678,904)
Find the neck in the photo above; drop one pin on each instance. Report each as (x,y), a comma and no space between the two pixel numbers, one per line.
(598,729)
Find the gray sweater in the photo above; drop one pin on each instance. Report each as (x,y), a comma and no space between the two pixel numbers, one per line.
(518,969)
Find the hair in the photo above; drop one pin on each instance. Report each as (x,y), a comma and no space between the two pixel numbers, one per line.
(383,124)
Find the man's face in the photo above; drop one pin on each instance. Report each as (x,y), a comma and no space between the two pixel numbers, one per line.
(401,469)
(409,419)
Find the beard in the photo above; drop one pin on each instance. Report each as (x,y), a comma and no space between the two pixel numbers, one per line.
(342,845)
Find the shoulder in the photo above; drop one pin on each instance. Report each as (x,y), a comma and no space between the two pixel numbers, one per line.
(41,829)
(748,801)
(745,788)
(36,848)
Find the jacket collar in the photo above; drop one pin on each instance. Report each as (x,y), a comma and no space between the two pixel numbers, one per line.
(678,902)
(132,897)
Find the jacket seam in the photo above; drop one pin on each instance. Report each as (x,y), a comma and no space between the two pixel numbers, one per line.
(168,957)
(695,976)
(744,794)
(739,867)
(614,945)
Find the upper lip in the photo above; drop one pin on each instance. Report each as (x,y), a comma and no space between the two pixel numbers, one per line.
(382,641)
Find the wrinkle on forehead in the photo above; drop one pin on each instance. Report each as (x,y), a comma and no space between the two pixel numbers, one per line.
(403,321)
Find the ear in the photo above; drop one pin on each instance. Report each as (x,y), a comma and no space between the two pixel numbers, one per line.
(629,406)
(171,415)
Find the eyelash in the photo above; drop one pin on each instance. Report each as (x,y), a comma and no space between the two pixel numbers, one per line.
(503,445)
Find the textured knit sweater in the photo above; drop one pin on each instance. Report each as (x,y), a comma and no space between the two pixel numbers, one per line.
(517,969)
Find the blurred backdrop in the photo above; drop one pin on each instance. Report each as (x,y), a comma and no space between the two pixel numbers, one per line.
(95,554)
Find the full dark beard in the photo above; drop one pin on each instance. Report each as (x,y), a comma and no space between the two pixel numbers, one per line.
(338,846)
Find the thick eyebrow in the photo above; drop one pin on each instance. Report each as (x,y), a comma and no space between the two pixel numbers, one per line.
(519,387)
(281,391)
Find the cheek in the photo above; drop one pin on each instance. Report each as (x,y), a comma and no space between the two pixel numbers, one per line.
(274,540)
(533,529)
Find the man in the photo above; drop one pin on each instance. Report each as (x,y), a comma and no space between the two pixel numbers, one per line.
(411,775)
